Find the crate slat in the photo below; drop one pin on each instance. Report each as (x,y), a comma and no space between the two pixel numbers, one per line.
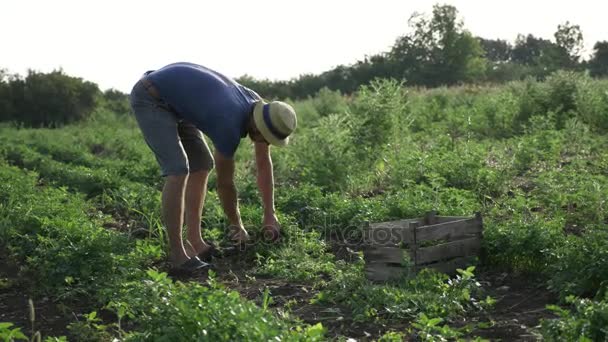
(448,230)
(448,250)
(444,219)
(384,254)
(383,272)
(430,218)
(414,245)
(393,224)
(390,233)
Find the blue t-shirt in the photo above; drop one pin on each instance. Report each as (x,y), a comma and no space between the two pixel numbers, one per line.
(214,103)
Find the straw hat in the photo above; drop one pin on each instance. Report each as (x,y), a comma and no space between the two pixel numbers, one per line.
(275,120)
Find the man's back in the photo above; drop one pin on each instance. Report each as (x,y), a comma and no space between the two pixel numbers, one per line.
(216,104)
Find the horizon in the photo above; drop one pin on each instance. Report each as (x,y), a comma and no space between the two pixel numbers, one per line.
(133,43)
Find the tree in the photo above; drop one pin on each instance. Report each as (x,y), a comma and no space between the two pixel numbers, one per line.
(7,110)
(542,55)
(570,38)
(497,50)
(598,65)
(116,101)
(529,49)
(439,51)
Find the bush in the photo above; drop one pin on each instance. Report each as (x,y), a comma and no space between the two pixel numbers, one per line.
(580,266)
(378,111)
(522,243)
(48,100)
(172,311)
(591,100)
(562,89)
(323,156)
(116,101)
(587,322)
(328,102)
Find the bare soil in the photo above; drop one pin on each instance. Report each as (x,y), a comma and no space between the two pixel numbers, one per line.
(14,307)
(521,303)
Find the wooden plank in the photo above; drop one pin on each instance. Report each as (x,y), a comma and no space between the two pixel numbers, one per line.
(389,233)
(414,245)
(465,247)
(450,266)
(388,237)
(444,219)
(383,255)
(448,230)
(430,218)
(480,220)
(394,224)
(383,272)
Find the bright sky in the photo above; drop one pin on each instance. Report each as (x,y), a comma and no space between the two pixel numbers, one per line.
(112,42)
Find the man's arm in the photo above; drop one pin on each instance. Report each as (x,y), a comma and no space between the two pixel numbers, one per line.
(265,182)
(264,176)
(226,189)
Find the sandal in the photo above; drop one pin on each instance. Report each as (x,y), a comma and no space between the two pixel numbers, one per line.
(209,254)
(192,265)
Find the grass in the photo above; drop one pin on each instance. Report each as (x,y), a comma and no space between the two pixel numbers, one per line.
(74,201)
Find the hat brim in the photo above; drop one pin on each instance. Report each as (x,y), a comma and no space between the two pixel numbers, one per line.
(258,119)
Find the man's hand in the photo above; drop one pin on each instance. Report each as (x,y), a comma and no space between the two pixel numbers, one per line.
(271,231)
(265,180)
(238,234)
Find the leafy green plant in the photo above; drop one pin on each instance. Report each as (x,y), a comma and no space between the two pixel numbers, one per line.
(379,113)
(580,266)
(587,322)
(90,328)
(428,329)
(431,293)
(80,210)
(173,310)
(9,333)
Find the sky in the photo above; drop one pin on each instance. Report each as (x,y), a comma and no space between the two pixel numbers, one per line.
(112,42)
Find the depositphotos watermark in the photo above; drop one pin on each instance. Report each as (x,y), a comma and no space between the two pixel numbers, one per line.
(331,232)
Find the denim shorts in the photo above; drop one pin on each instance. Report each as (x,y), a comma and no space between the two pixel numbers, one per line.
(178,145)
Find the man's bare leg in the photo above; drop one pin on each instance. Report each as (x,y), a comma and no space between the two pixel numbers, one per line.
(196,189)
(173,214)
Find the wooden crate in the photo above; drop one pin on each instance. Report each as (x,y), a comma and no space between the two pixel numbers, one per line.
(444,243)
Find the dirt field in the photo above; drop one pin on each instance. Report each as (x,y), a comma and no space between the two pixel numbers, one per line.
(520,304)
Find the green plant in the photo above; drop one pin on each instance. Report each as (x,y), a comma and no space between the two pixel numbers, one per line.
(175,311)
(392,336)
(379,115)
(8,333)
(80,211)
(429,292)
(587,322)
(428,329)
(90,328)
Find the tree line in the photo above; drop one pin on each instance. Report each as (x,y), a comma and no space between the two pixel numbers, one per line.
(53,99)
(439,51)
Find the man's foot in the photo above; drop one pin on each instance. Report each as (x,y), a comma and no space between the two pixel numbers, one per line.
(199,248)
(177,260)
